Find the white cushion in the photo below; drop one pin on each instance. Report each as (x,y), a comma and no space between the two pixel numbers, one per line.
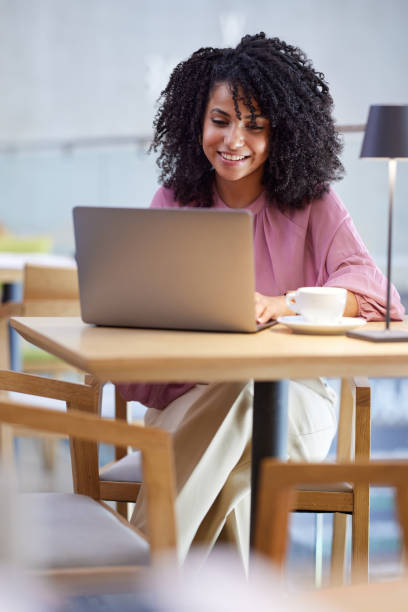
(42,402)
(128,469)
(76,531)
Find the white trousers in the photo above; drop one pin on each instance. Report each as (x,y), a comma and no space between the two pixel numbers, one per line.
(211,427)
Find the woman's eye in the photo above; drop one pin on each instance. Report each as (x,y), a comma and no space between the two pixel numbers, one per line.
(219,122)
(256,127)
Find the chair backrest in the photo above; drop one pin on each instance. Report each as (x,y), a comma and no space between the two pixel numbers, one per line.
(50,291)
(154,444)
(277,487)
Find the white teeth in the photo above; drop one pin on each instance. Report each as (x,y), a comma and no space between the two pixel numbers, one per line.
(232,157)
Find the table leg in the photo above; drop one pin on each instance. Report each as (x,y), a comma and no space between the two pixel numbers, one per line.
(12,292)
(269,432)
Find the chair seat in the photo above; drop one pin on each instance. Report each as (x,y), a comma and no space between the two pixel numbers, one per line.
(77,531)
(127,469)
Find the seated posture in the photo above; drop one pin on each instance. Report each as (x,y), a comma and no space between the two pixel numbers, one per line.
(251,128)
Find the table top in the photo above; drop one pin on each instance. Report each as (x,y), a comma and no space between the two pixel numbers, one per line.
(12,264)
(375,597)
(124,354)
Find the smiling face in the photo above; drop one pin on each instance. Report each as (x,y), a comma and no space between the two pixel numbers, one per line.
(236,148)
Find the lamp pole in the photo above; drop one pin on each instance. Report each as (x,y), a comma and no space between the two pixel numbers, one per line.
(386,137)
(392,172)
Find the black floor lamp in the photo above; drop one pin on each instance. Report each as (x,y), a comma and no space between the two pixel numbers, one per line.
(386,137)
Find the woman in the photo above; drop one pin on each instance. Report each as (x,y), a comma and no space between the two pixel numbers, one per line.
(251,128)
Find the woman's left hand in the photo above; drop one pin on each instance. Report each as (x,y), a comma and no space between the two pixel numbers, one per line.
(267,308)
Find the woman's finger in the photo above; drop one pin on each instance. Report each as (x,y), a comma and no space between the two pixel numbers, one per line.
(259,310)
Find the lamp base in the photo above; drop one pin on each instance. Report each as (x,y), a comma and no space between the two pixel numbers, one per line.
(380,335)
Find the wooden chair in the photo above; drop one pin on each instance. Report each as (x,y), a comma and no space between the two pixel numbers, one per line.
(277,497)
(353,443)
(84,397)
(83,519)
(123,480)
(53,291)
(47,291)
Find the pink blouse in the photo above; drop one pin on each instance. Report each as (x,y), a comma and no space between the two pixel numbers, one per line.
(316,246)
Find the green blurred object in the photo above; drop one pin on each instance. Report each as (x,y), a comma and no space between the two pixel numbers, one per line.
(25,244)
(33,353)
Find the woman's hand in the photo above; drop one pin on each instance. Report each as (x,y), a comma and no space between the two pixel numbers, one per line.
(267,308)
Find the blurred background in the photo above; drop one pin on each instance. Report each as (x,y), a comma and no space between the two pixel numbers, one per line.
(79,81)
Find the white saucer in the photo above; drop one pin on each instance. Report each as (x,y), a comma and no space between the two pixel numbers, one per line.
(298,324)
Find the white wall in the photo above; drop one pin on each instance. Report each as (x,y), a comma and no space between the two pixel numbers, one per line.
(93,67)
(86,68)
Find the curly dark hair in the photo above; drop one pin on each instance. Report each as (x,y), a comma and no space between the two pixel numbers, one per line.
(304,146)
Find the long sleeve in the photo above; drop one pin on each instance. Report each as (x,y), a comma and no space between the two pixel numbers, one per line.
(344,261)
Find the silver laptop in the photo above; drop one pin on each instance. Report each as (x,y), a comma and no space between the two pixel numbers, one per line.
(190,269)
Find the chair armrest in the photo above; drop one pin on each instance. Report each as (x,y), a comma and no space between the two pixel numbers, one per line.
(84,395)
(83,426)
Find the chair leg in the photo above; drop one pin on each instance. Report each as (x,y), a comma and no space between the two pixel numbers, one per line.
(120,413)
(7,457)
(402,510)
(49,453)
(338,551)
(7,446)
(360,535)
(84,454)
(361,493)
(122,509)
(4,343)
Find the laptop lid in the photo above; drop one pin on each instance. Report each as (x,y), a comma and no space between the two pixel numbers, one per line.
(190,269)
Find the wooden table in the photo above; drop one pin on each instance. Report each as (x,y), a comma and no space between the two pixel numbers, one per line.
(374,597)
(269,357)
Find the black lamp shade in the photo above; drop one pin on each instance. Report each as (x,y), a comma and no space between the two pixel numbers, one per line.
(386,133)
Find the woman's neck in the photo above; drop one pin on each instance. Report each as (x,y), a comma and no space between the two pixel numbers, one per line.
(238,194)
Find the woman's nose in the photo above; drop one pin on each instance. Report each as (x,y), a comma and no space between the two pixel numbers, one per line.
(234,137)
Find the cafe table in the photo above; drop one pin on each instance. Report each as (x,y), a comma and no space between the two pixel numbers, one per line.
(270,357)
(12,265)
(391,595)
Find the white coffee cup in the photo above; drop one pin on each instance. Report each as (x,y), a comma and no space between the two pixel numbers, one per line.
(319,305)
